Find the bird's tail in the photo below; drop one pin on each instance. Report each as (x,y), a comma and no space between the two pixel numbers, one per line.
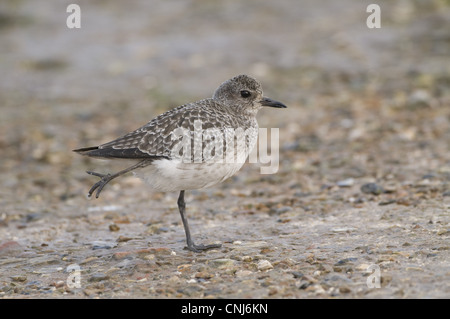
(86,150)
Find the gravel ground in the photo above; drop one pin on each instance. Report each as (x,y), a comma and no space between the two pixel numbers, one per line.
(363,187)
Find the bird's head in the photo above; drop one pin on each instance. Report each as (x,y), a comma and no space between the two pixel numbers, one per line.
(245,93)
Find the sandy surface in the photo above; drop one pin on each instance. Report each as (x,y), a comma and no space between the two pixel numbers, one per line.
(364,176)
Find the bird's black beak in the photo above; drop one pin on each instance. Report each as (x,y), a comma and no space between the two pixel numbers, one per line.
(272,103)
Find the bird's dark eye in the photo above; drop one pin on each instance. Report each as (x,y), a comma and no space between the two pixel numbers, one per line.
(245,93)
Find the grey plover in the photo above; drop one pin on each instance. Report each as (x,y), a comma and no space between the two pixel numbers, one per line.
(193,146)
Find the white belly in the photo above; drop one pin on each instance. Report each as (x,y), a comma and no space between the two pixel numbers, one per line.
(174,175)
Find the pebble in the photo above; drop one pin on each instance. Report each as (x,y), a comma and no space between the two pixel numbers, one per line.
(123,239)
(203,275)
(372,188)
(387,202)
(264,265)
(346,182)
(343,229)
(59,284)
(20,278)
(281,210)
(114,227)
(98,277)
(89,259)
(122,254)
(98,244)
(297,274)
(362,267)
(243,273)
(126,263)
(345,261)
(222,263)
(344,290)
(334,279)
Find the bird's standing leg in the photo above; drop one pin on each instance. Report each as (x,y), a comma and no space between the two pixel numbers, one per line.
(190,244)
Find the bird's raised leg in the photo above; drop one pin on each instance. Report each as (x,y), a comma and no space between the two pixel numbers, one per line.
(106,178)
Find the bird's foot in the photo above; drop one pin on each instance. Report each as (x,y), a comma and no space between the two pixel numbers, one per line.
(200,248)
(105,179)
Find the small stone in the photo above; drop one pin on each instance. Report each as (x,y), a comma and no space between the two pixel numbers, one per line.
(343,229)
(344,290)
(332,279)
(160,251)
(149,257)
(281,210)
(98,277)
(297,274)
(204,275)
(345,261)
(114,227)
(98,244)
(89,259)
(173,280)
(372,188)
(414,269)
(264,265)
(346,182)
(125,264)
(254,244)
(155,229)
(122,254)
(387,202)
(243,273)
(123,239)
(222,263)
(20,278)
(59,284)
(362,267)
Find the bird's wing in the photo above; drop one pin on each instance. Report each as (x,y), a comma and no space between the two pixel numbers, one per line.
(156,138)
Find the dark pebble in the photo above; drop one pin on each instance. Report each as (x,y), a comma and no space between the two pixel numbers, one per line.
(33,217)
(345,261)
(98,277)
(297,274)
(372,188)
(304,285)
(102,245)
(387,202)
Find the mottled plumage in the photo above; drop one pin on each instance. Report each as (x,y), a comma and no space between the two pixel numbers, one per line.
(186,147)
